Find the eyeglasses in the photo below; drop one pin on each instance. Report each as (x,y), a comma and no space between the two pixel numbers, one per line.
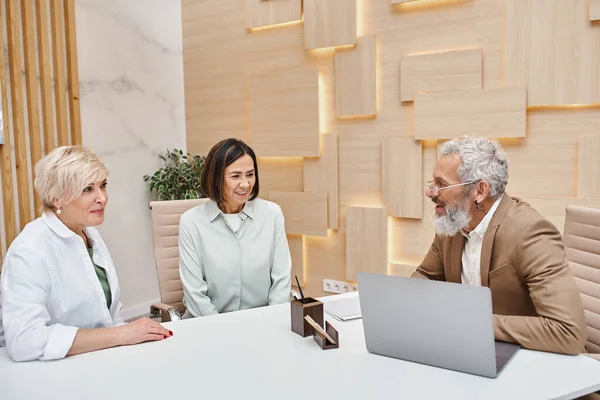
(436,190)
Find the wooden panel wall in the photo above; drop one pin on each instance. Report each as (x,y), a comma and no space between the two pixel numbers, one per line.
(40,85)
(329,23)
(265,13)
(402,177)
(397,269)
(305,213)
(356,79)
(492,113)
(450,70)
(588,170)
(594,10)
(535,56)
(504,55)
(296,245)
(277,97)
(321,175)
(366,241)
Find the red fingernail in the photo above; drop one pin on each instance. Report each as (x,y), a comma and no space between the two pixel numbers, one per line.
(171,333)
(164,336)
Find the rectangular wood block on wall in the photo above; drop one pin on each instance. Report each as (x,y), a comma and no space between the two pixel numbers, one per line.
(410,239)
(296,244)
(594,10)
(554,131)
(329,23)
(535,58)
(588,171)
(277,98)
(495,113)
(272,12)
(304,213)
(437,72)
(215,113)
(280,174)
(402,177)
(356,79)
(321,175)
(366,241)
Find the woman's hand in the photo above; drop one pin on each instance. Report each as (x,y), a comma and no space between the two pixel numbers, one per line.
(142,330)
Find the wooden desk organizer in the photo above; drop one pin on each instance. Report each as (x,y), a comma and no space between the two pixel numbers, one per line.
(299,310)
(323,342)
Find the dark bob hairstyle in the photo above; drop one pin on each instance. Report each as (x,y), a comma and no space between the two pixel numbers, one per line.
(222,155)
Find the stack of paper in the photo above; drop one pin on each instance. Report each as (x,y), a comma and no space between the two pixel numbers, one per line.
(344,309)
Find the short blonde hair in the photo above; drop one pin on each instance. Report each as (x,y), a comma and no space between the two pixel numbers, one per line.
(64,172)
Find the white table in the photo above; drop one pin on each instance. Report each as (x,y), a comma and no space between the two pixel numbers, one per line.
(254,355)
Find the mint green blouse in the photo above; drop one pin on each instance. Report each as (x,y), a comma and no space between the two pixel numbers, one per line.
(103,278)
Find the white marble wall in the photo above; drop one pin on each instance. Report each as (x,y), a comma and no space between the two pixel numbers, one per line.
(132,108)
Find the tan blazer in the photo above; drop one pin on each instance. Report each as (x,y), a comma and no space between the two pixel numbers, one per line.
(534,297)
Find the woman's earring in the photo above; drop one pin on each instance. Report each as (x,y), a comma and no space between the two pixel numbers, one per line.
(58,210)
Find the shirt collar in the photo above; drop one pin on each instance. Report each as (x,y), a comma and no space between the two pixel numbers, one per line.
(214,211)
(56,225)
(61,229)
(481,228)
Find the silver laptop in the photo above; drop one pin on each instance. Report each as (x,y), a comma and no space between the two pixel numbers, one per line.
(442,324)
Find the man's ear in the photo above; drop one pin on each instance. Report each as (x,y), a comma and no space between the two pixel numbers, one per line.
(483,190)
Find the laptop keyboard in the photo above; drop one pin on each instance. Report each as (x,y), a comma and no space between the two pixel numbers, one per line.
(504,352)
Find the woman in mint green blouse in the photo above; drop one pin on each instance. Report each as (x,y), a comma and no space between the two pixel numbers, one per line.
(233,251)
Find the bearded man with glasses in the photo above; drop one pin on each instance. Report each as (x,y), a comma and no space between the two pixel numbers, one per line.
(484,237)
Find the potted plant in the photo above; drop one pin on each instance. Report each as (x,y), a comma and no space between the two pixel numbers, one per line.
(179,178)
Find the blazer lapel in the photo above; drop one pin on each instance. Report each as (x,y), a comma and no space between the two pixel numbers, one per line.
(488,239)
(486,253)
(458,244)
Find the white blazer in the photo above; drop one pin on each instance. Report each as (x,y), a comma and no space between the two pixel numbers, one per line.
(49,289)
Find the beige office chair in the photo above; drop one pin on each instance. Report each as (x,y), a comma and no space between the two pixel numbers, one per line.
(165,224)
(582,241)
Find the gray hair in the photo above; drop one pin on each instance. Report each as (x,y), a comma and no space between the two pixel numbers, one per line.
(482,159)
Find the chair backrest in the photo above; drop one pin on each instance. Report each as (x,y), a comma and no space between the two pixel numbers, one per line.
(582,241)
(165,224)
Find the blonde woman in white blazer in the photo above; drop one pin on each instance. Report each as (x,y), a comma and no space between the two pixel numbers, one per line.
(59,293)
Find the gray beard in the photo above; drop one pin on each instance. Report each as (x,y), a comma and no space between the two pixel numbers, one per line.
(456,218)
